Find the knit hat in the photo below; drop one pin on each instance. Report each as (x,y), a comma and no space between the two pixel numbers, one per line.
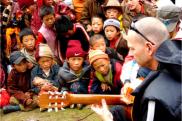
(43,50)
(96,54)
(112,4)
(16,57)
(25,3)
(111,22)
(169,15)
(74,49)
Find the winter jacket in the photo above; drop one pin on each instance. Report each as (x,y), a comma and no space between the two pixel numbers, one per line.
(72,82)
(18,84)
(162,86)
(95,83)
(38,72)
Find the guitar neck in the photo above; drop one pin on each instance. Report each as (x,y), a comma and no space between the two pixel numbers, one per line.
(93,99)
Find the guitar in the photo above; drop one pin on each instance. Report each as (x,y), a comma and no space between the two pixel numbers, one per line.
(57,100)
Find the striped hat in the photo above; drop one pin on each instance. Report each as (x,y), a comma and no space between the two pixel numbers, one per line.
(96,54)
(43,50)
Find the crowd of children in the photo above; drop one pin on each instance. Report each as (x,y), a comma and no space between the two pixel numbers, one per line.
(48,45)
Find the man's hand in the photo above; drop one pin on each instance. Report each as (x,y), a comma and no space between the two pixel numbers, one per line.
(103,111)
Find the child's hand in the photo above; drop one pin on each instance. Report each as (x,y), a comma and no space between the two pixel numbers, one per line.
(105,87)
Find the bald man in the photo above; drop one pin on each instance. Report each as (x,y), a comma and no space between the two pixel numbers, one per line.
(158,98)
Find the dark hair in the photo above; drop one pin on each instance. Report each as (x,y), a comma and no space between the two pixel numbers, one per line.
(25,32)
(98,16)
(94,38)
(63,24)
(45,10)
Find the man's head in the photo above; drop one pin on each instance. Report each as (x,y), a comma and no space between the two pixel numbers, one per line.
(97,42)
(75,55)
(47,15)
(100,61)
(170,16)
(27,38)
(144,37)
(18,61)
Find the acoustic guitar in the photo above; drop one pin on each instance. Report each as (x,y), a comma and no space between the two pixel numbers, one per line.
(58,101)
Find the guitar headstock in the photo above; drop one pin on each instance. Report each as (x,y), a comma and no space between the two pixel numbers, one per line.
(53,100)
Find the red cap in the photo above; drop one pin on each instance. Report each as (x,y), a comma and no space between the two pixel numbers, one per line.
(74,49)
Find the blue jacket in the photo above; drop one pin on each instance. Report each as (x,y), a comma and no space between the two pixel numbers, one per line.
(73,83)
(53,76)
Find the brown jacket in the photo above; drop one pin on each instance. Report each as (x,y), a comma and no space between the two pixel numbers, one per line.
(128,16)
(18,84)
(91,8)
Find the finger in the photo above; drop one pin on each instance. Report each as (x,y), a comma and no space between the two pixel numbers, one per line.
(104,104)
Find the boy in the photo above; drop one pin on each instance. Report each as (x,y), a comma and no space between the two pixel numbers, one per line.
(46,33)
(27,39)
(115,37)
(19,83)
(107,74)
(75,73)
(113,10)
(46,69)
(97,42)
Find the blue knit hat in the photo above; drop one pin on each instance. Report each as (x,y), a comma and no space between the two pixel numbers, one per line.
(112,22)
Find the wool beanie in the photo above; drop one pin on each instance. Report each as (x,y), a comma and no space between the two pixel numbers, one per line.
(96,54)
(25,3)
(74,49)
(43,50)
(111,22)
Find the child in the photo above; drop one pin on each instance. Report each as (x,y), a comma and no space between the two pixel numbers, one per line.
(75,73)
(19,83)
(113,10)
(27,39)
(97,23)
(113,34)
(97,42)
(46,33)
(107,74)
(46,69)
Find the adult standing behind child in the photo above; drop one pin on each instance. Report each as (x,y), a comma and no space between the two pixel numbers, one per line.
(46,68)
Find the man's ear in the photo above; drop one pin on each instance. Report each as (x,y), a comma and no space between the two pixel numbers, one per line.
(150,48)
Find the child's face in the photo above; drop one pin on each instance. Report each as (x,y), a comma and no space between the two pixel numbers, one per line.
(21,67)
(99,45)
(49,20)
(112,13)
(29,42)
(101,66)
(111,32)
(45,63)
(97,25)
(75,63)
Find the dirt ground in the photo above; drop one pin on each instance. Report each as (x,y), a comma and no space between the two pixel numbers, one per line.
(62,115)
